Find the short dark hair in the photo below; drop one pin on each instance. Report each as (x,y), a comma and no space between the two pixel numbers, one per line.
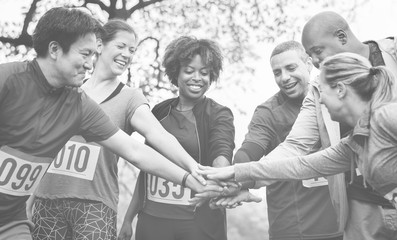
(63,25)
(182,50)
(290,45)
(112,27)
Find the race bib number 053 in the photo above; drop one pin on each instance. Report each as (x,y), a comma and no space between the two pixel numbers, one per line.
(76,160)
(164,191)
(20,173)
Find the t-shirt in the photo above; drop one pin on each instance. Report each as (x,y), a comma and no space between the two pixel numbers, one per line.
(296,209)
(35,123)
(86,170)
(164,198)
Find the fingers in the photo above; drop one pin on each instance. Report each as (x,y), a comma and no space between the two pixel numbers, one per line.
(199,177)
(197,202)
(208,194)
(225,202)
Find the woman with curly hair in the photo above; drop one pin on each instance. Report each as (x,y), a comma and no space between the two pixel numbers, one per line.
(205,129)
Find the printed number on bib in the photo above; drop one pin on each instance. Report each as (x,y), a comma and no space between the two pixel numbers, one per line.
(19,177)
(76,160)
(164,191)
(315,182)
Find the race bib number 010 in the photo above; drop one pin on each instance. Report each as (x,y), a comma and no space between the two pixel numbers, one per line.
(76,160)
(164,191)
(315,182)
(20,177)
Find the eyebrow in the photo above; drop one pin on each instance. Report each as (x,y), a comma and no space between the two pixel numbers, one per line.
(314,48)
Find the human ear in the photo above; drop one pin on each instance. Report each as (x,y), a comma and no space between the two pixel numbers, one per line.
(341,35)
(99,45)
(53,49)
(341,90)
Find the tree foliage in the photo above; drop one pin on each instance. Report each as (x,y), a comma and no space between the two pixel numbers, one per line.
(237,25)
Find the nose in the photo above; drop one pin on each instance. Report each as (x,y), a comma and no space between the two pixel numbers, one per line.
(126,53)
(316,62)
(284,76)
(196,76)
(89,64)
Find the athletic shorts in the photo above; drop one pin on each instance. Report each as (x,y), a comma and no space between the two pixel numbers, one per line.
(73,219)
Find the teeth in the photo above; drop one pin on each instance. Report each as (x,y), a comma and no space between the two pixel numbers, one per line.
(122,63)
(195,86)
(290,85)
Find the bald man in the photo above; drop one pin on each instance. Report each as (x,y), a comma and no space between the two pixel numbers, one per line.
(326,34)
(362,212)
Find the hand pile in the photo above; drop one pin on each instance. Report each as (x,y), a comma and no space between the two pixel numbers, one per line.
(231,195)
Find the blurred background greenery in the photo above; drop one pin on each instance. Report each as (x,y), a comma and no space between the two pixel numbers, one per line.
(247,30)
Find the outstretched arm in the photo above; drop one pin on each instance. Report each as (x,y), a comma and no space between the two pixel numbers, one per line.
(160,139)
(330,161)
(148,160)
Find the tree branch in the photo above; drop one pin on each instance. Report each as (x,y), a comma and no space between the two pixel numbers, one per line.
(98,2)
(21,40)
(156,49)
(141,4)
(29,16)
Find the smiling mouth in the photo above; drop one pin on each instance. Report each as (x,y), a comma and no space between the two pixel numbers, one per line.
(290,86)
(121,63)
(195,87)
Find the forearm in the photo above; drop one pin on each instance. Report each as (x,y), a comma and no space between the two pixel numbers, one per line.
(160,139)
(145,158)
(304,137)
(134,207)
(168,145)
(323,163)
(250,152)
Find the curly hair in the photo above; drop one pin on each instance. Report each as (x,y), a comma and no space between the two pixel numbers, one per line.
(182,50)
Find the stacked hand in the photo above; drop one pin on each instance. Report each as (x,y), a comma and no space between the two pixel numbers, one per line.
(230,197)
(223,173)
(227,189)
(234,201)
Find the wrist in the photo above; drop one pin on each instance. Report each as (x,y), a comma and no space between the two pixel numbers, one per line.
(191,183)
(232,173)
(184,179)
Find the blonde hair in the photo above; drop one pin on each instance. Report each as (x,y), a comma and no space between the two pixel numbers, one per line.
(372,84)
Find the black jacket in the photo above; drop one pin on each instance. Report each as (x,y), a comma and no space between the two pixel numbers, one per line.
(216,138)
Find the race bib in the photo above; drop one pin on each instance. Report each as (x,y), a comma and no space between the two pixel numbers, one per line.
(358,172)
(20,173)
(315,182)
(164,191)
(76,160)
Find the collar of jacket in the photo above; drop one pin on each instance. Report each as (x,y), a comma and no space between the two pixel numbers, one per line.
(363,123)
(175,102)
